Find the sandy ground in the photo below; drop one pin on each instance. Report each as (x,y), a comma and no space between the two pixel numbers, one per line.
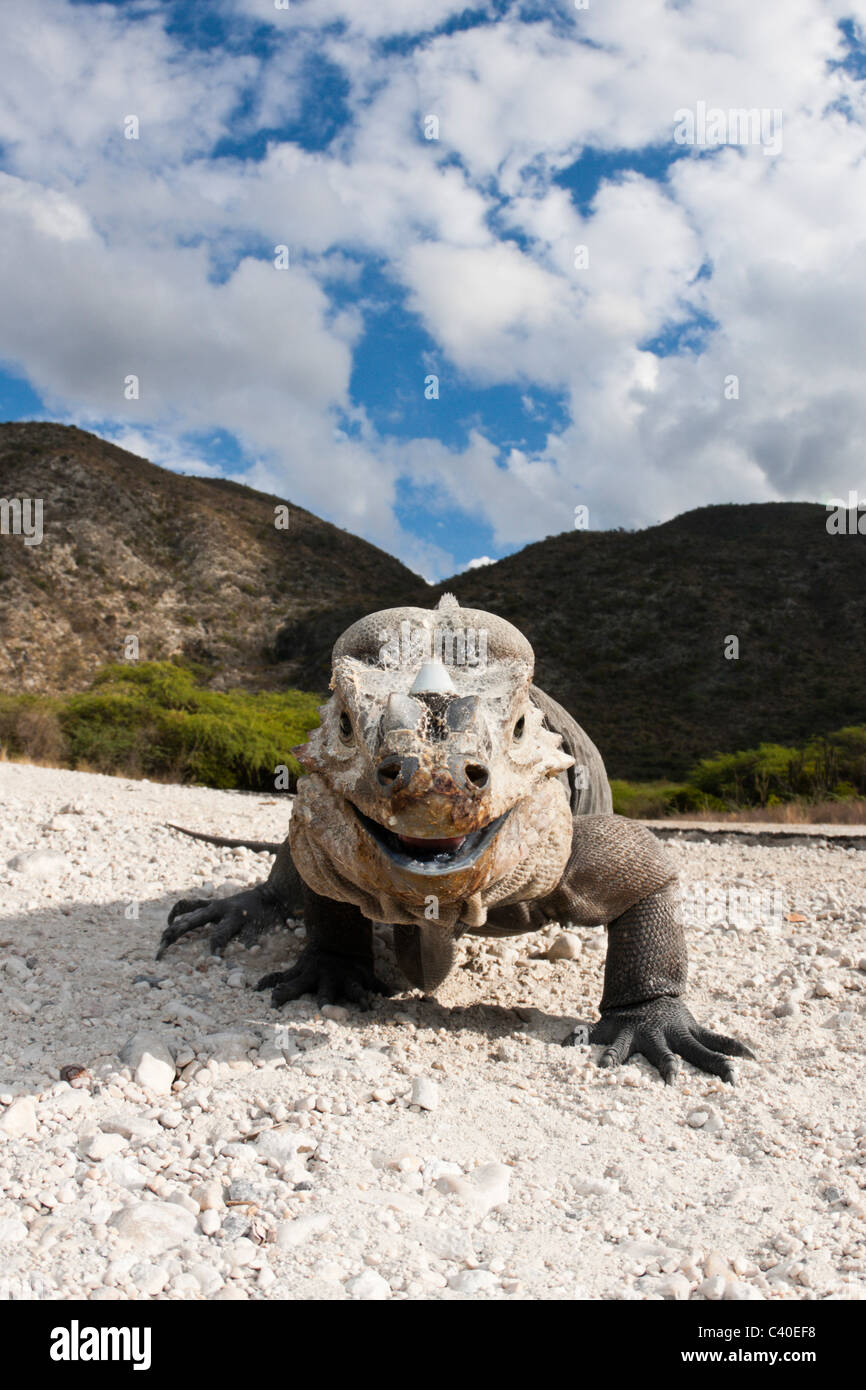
(288,1160)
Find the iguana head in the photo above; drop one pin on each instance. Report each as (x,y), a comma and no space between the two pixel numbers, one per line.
(432,776)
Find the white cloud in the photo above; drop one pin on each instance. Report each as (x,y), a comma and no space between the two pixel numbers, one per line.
(109,248)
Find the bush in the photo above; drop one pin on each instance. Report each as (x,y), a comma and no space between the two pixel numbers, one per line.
(155,720)
(29,728)
(644,800)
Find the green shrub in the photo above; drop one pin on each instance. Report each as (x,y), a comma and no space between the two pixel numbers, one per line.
(155,720)
(645,800)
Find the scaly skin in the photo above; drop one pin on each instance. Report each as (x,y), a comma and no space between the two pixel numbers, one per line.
(511,798)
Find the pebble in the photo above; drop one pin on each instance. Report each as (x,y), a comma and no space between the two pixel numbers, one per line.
(18,1121)
(209,1195)
(483,1190)
(39,863)
(104,1144)
(11,1231)
(473,1281)
(676,1286)
(154,1226)
(335,1012)
(565,947)
(425,1093)
(368,1285)
(337,1187)
(209,1222)
(154,1075)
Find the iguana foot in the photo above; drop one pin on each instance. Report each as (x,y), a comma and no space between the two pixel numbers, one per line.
(658,1029)
(245,915)
(328,976)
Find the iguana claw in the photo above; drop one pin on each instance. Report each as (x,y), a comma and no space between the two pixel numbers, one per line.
(658,1029)
(245,915)
(329,977)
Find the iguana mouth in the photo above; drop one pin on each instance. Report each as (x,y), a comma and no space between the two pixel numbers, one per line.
(438,855)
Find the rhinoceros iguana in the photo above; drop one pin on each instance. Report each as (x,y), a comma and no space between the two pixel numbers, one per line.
(447,795)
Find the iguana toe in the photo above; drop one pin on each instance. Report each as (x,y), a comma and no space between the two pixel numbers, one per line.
(331,978)
(662,1030)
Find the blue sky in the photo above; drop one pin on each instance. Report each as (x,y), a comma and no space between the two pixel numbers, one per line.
(603,381)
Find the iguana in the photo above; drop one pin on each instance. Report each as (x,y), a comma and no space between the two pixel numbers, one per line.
(447,795)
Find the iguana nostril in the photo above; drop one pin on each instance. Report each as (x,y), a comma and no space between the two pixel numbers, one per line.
(388,772)
(477,775)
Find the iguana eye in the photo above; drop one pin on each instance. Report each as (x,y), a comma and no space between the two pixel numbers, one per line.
(346,730)
(519,727)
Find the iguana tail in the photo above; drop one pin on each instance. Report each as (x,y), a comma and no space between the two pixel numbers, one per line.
(260,846)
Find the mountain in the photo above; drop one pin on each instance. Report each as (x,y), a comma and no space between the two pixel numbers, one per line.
(629,628)
(193,567)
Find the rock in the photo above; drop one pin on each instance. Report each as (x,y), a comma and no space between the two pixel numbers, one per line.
(473,1281)
(789,1005)
(841,1020)
(124,1172)
(230,1045)
(676,1286)
(18,1121)
(240,1253)
(235,979)
(151,1059)
(367,1286)
(484,1189)
(697,1118)
(241,1190)
(154,1226)
(737,1290)
(155,1075)
(104,1144)
(209,1195)
(714,1123)
(39,863)
(149,1279)
(131,1126)
(11,1231)
(713,1288)
(716,1264)
(17,968)
(425,1093)
(291,1234)
(283,1144)
(207,1278)
(825,989)
(565,947)
(335,1012)
(209,1222)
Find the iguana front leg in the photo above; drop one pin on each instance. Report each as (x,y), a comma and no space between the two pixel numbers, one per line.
(641,1008)
(336,963)
(619,873)
(245,915)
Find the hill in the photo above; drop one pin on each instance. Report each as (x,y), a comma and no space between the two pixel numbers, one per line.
(630,628)
(193,567)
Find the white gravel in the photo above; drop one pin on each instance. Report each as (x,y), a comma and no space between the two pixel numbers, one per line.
(431,1149)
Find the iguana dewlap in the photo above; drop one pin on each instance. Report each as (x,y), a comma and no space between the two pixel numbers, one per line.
(446,794)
